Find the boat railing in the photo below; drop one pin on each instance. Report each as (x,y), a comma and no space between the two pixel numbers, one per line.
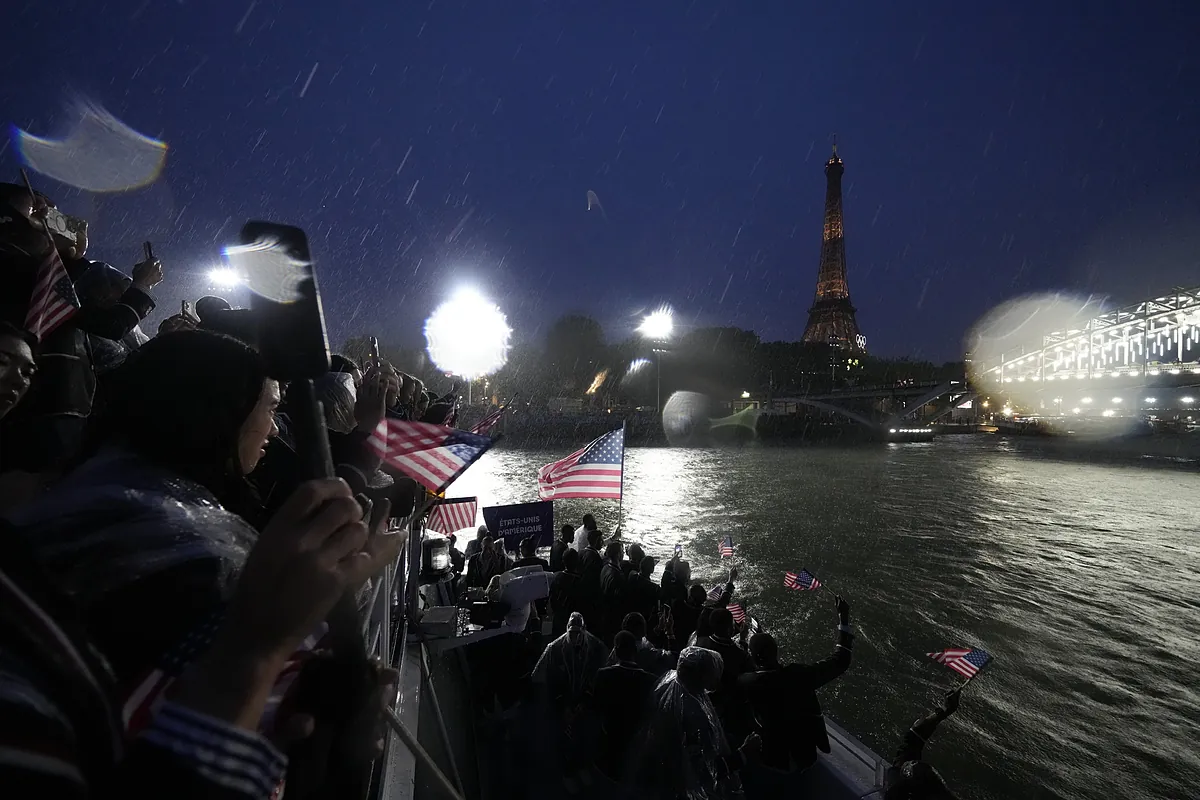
(392,606)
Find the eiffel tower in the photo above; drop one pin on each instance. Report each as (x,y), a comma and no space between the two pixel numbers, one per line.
(831,318)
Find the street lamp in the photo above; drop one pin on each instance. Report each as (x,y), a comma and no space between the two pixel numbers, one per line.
(657,327)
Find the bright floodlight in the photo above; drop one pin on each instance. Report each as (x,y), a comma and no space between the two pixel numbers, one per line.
(468,335)
(658,324)
(224,278)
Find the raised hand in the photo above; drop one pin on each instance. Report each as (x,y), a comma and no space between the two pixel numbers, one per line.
(308,556)
(147,274)
(370,404)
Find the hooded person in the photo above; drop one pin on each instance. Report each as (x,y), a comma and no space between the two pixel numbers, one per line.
(46,433)
(566,672)
(150,532)
(682,751)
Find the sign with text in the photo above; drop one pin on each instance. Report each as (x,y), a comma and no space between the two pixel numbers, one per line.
(520,521)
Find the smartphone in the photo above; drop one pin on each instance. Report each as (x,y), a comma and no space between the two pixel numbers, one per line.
(187,311)
(149,250)
(374,352)
(678,550)
(61,225)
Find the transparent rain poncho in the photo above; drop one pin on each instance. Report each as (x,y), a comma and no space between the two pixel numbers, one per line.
(679,751)
(569,665)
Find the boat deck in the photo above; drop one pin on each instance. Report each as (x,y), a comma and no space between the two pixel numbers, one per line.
(509,754)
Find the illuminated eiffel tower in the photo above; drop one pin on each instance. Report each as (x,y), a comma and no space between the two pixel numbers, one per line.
(831,318)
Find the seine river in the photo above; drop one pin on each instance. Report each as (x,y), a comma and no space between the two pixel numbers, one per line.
(1082,579)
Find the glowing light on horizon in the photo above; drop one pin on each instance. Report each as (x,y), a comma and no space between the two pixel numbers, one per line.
(658,325)
(224,278)
(468,335)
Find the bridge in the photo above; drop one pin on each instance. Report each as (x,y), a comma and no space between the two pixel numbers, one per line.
(858,403)
(1148,353)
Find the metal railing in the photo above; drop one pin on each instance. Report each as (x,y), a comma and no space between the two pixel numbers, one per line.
(386,634)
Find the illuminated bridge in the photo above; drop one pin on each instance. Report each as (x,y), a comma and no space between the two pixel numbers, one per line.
(1152,344)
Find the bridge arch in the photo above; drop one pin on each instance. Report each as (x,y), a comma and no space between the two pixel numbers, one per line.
(845,412)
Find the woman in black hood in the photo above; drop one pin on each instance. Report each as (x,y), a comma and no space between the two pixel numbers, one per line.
(148,534)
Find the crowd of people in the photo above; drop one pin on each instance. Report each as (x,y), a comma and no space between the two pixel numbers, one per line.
(181,603)
(656,685)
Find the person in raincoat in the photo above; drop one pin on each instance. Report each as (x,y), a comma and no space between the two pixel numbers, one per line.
(682,752)
(567,672)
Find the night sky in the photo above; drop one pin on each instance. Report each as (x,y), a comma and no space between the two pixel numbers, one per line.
(990,153)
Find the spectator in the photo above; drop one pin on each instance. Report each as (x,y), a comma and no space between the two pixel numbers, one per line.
(682,750)
(475,546)
(529,556)
(911,778)
(634,561)
(564,592)
(648,657)
(612,591)
(17,368)
(488,563)
(567,672)
(784,700)
(620,699)
(56,694)
(687,613)
(583,532)
(641,594)
(677,574)
(458,561)
(46,432)
(566,537)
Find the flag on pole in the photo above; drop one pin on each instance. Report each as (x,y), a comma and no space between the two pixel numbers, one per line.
(449,516)
(592,472)
(802,580)
(727,547)
(485,425)
(714,594)
(965,661)
(53,300)
(739,613)
(432,455)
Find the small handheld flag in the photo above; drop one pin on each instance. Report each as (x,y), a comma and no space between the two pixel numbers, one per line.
(714,594)
(965,661)
(739,613)
(432,455)
(726,547)
(449,516)
(801,581)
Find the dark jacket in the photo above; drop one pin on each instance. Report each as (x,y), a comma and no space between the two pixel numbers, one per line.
(786,710)
(59,701)
(564,599)
(556,554)
(620,696)
(149,556)
(65,384)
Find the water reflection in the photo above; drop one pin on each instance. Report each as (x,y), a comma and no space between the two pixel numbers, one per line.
(1079,577)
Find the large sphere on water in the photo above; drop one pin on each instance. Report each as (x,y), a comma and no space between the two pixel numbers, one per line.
(686,418)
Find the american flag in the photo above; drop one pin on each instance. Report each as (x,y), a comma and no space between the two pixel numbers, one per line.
(53,300)
(803,580)
(727,547)
(485,425)
(714,593)
(142,702)
(965,661)
(432,455)
(593,472)
(739,613)
(449,516)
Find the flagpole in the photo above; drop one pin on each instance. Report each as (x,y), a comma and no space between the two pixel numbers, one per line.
(621,499)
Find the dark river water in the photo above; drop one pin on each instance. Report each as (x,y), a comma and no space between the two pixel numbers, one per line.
(1082,579)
